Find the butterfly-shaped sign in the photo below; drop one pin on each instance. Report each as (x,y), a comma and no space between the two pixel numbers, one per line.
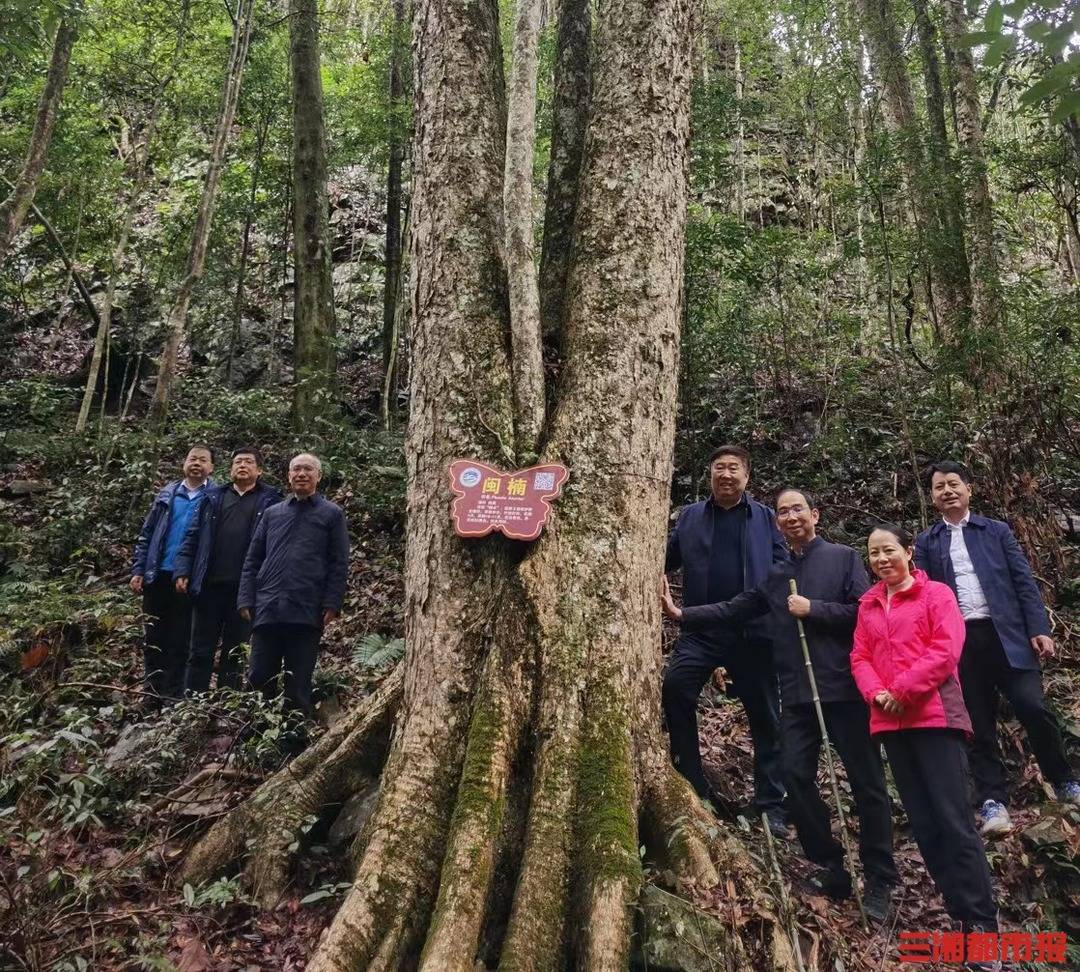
(515,503)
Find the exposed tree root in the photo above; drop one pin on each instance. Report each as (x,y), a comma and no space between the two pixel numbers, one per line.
(269,821)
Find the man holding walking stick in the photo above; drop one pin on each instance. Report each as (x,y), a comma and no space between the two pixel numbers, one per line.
(830,578)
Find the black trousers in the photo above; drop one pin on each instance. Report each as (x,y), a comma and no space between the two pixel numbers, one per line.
(930,770)
(848,726)
(168,628)
(214,619)
(750,665)
(292,646)
(984,673)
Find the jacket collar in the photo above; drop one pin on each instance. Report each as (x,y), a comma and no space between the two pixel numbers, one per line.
(974,520)
(877,592)
(808,549)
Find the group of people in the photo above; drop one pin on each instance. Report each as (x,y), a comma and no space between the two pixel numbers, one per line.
(221,565)
(915,662)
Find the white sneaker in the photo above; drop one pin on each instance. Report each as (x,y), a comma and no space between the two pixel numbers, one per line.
(993,819)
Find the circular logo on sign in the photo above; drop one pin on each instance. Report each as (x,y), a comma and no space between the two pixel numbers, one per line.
(469,477)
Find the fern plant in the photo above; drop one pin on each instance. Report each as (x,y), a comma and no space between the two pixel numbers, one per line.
(375,652)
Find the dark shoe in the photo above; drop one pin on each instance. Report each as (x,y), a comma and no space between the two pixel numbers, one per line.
(778,825)
(877,901)
(989,965)
(835,884)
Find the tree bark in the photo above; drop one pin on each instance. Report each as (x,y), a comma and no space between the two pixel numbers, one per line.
(947,241)
(392,262)
(986,300)
(947,297)
(13,210)
(570,111)
(527,761)
(176,321)
(527,358)
(313,307)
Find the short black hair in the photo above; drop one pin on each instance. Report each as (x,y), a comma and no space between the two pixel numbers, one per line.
(199,445)
(903,535)
(729,450)
(808,497)
(249,451)
(946,466)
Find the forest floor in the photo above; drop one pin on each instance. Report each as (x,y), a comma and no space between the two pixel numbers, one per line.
(100,798)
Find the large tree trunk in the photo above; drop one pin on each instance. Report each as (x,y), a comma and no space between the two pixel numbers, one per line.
(527,765)
(986,301)
(313,308)
(392,260)
(176,321)
(13,210)
(570,109)
(947,295)
(527,360)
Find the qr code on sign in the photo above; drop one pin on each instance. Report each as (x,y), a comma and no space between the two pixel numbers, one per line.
(544,481)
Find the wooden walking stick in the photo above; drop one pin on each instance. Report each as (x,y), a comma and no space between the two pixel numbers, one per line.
(844,839)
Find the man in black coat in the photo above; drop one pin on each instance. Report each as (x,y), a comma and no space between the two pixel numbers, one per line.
(724,545)
(209,565)
(293,583)
(830,579)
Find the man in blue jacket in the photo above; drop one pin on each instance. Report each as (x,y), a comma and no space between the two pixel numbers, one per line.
(1007,633)
(830,579)
(293,583)
(168,613)
(209,565)
(725,545)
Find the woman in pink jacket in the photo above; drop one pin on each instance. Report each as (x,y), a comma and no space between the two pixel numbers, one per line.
(907,645)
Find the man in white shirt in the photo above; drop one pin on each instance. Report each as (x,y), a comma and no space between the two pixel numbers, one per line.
(1007,633)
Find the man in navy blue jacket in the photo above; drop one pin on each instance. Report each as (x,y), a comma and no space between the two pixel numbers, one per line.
(209,565)
(725,545)
(168,613)
(293,583)
(1007,633)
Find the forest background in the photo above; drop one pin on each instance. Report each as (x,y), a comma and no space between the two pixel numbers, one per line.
(882,260)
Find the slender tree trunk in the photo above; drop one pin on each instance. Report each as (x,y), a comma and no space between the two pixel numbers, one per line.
(392,260)
(245,246)
(313,306)
(739,151)
(527,361)
(13,210)
(947,297)
(527,752)
(948,240)
(570,110)
(176,320)
(986,300)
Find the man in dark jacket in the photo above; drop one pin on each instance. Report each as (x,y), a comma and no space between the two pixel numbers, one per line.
(293,583)
(168,613)
(1007,633)
(209,565)
(725,545)
(830,580)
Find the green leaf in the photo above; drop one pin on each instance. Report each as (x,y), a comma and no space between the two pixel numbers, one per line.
(976,38)
(1016,9)
(189,895)
(1041,90)
(996,51)
(995,17)
(314,896)
(1068,105)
